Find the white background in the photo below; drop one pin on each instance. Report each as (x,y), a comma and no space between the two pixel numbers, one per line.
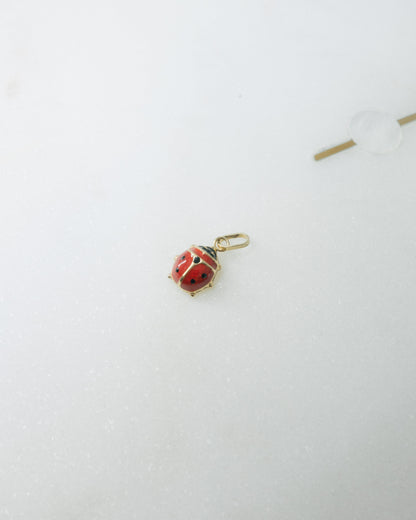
(130,130)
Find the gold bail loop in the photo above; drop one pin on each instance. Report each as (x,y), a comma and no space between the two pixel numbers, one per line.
(223,243)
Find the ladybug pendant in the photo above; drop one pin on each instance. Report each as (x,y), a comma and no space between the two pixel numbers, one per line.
(195,269)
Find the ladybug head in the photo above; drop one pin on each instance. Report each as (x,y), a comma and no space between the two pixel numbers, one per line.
(210,251)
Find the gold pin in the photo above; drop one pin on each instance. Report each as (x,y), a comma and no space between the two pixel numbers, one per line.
(349,144)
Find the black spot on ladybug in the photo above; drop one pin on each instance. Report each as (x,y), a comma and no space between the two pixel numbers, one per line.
(192,281)
(183,258)
(177,269)
(197,260)
(204,275)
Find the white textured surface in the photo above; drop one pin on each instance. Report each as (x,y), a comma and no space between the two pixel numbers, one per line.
(130,130)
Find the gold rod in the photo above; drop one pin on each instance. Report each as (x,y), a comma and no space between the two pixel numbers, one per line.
(334,150)
(350,144)
(407,119)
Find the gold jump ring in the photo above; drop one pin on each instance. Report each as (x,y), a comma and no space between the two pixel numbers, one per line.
(223,243)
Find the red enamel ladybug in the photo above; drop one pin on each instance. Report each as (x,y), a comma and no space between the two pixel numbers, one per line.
(195,269)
